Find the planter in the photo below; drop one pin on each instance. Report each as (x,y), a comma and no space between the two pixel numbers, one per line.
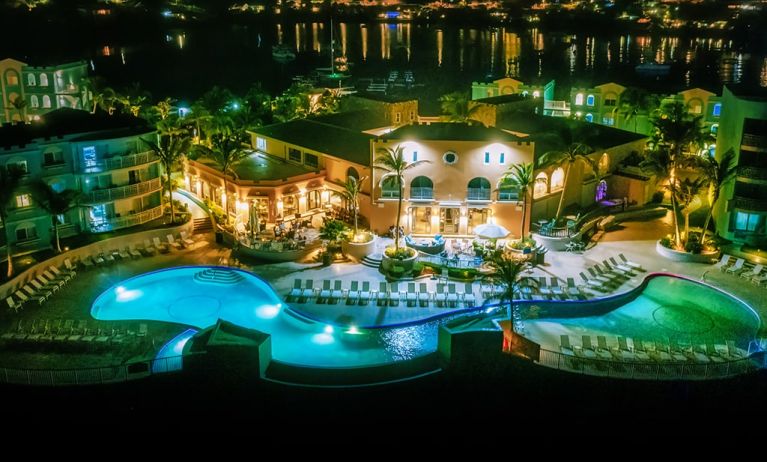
(686,257)
(359,250)
(388,264)
(554,243)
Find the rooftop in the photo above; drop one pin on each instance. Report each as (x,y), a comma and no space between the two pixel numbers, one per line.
(503,99)
(450,131)
(383,97)
(359,120)
(748,92)
(260,167)
(63,122)
(320,136)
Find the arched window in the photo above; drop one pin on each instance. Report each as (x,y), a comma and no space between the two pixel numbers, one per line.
(604,164)
(579,99)
(541,185)
(421,188)
(695,106)
(33,101)
(390,187)
(479,189)
(601,191)
(46,101)
(43,80)
(557,179)
(589,117)
(714,128)
(11,77)
(31,81)
(590,100)
(351,172)
(507,191)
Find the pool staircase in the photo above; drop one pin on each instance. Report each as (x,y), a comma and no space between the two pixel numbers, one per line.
(373,260)
(218,276)
(202,225)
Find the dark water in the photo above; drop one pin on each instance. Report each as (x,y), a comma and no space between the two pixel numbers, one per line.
(184,63)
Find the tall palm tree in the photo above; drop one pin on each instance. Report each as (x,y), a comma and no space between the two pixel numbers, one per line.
(10,178)
(226,152)
(715,174)
(351,193)
(392,162)
(457,107)
(170,150)
(134,99)
(505,273)
(56,203)
(566,156)
(634,102)
(522,178)
(19,104)
(687,191)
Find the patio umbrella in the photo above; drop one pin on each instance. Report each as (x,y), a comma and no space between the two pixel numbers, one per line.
(491,231)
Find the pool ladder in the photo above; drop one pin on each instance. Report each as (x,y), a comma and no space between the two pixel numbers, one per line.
(218,276)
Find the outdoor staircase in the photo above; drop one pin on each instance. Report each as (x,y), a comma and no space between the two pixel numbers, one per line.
(202,225)
(218,276)
(373,260)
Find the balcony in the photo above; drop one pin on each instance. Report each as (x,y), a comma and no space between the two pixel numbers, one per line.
(122,192)
(744,203)
(422,194)
(754,173)
(126,221)
(118,162)
(754,142)
(478,194)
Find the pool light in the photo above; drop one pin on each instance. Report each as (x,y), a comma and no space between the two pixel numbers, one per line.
(328,329)
(268,311)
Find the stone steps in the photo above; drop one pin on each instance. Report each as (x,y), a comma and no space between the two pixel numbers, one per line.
(202,225)
(372,260)
(218,276)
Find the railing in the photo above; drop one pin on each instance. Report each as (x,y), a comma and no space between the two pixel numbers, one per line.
(448,262)
(648,370)
(121,192)
(744,203)
(390,193)
(118,162)
(127,221)
(755,173)
(551,231)
(754,141)
(91,376)
(478,194)
(421,193)
(506,195)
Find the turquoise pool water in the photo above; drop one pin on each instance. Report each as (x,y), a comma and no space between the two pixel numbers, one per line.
(667,308)
(174,295)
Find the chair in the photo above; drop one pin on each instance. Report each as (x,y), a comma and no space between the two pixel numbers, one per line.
(337,293)
(753,272)
(24,299)
(736,268)
(148,248)
(123,253)
(69,266)
(133,252)
(325,292)
(621,266)
(38,291)
(67,276)
(12,304)
(159,245)
(452,296)
(630,263)
(598,352)
(564,345)
(60,280)
(660,353)
(353,295)
(440,298)
(622,352)
(172,242)
(49,285)
(713,354)
(142,330)
(468,295)
(98,259)
(109,256)
(572,289)
(87,262)
(411,295)
(599,285)
(295,293)
(382,296)
(308,291)
(602,346)
(723,262)
(394,296)
(423,294)
(185,239)
(365,293)
(640,351)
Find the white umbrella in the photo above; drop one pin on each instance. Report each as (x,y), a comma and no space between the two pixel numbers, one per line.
(491,231)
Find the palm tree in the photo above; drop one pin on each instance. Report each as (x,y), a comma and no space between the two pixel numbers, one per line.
(170,150)
(56,203)
(134,99)
(687,191)
(633,102)
(659,163)
(522,178)
(10,178)
(392,162)
(715,174)
(226,152)
(350,193)
(504,272)
(19,104)
(457,107)
(566,156)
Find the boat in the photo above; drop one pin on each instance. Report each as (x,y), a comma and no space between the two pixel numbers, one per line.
(653,69)
(282,53)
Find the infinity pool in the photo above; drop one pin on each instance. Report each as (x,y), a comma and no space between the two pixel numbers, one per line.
(177,295)
(665,307)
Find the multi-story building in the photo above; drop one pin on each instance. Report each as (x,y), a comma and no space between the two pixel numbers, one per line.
(101,156)
(741,212)
(597,104)
(41,88)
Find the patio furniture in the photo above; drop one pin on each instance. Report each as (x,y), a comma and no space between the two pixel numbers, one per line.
(452,296)
(412,296)
(12,304)
(148,248)
(159,245)
(337,293)
(172,242)
(308,291)
(423,294)
(185,239)
(98,259)
(564,345)
(365,293)
(468,294)
(39,289)
(394,295)
(66,275)
(133,252)
(123,253)
(621,266)
(69,266)
(440,298)
(723,262)
(753,272)
(353,295)
(631,263)
(325,292)
(433,247)
(87,262)
(383,293)
(640,351)
(736,268)
(296,292)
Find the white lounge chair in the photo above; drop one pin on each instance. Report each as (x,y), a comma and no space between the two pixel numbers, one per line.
(133,252)
(159,245)
(423,295)
(66,275)
(394,296)
(40,296)
(723,262)
(173,242)
(123,253)
(148,248)
(325,292)
(69,266)
(412,295)
(468,294)
(753,272)
(564,345)
(452,296)
(630,263)
(337,293)
(440,298)
(12,304)
(185,239)
(295,293)
(736,268)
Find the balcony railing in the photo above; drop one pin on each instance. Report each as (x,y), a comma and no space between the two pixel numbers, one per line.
(389,193)
(478,194)
(126,221)
(421,193)
(755,173)
(122,192)
(508,195)
(118,162)
(744,203)
(754,141)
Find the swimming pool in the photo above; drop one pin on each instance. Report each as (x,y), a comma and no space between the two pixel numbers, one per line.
(182,295)
(664,307)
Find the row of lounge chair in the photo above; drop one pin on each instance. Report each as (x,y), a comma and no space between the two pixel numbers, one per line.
(539,289)
(756,273)
(71,331)
(41,287)
(657,351)
(445,295)
(610,275)
(132,251)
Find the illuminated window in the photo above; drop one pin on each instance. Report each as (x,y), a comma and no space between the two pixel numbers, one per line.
(557,179)
(604,164)
(590,100)
(294,155)
(390,187)
(412,116)
(579,99)
(487,158)
(608,121)
(536,94)
(589,117)
(502,158)
(352,172)
(421,188)
(46,101)
(717,109)
(43,80)
(747,221)
(11,78)
(20,165)
(31,81)
(23,200)
(398,117)
(479,189)
(507,191)
(541,185)
(310,160)
(260,143)
(415,156)
(695,107)
(33,101)
(714,129)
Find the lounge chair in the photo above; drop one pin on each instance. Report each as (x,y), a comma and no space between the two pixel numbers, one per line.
(411,295)
(382,297)
(295,293)
(66,275)
(626,273)
(325,292)
(736,268)
(452,296)
(610,277)
(87,262)
(365,293)
(599,285)
(60,280)
(172,242)
(602,349)
(394,296)
(133,252)
(440,298)
(38,291)
(598,352)
(753,272)
(186,240)
(622,352)
(713,354)
(564,345)
(640,352)
(353,296)
(423,294)
(337,293)
(70,266)
(159,245)
(543,287)
(572,289)
(622,266)
(555,289)
(98,259)
(123,253)
(308,291)
(12,304)
(676,353)
(630,263)
(733,351)
(723,262)
(109,256)
(148,248)
(53,284)
(24,299)
(468,294)
(43,284)
(660,353)
(142,330)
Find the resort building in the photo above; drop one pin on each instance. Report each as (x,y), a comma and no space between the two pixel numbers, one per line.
(598,104)
(741,213)
(101,156)
(27,92)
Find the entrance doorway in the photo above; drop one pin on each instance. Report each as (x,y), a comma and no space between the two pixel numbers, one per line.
(449,220)
(421,217)
(601,191)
